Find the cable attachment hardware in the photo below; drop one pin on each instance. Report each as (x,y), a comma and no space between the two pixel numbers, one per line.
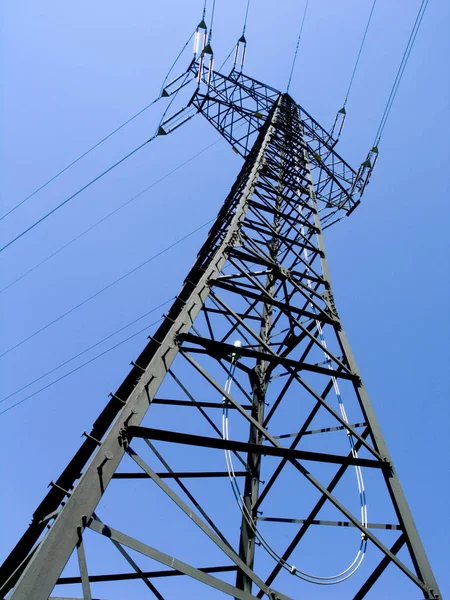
(200,40)
(366,168)
(197,35)
(239,53)
(338,124)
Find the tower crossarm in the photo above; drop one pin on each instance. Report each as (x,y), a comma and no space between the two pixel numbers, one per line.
(237,105)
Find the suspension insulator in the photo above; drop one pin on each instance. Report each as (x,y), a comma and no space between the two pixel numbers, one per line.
(196,40)
(367,166)
(338,123)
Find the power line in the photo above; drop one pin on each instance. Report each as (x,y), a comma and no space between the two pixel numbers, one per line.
(241,39)
(107,287)
(212,21)
(66,168)
(103,219)
(246,17)
(88,362)
(66,362)
(401,70)
(298,44)
(175,62)
(359,53)
(85,187)
(79,158)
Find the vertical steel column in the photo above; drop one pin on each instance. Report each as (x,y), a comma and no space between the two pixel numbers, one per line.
(259,387)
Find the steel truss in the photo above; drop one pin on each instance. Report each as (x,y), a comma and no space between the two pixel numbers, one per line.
(262,279)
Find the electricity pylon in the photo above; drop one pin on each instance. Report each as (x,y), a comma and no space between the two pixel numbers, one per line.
(245,420)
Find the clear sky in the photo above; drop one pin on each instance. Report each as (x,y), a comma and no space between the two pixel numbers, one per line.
(73,71)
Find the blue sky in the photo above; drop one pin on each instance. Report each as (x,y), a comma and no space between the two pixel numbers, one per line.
(75,71)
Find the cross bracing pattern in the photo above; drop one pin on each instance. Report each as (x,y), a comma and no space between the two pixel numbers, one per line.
(197,433)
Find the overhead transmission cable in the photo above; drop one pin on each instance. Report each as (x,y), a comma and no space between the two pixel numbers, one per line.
(213,10)
(159,132)
(236,47)
(366,168)
(340,117)
(84,154)
(103,219)
(78,159)
(91,347)
(105,288)
(297,46)
(88,362)
(71,197)
(401,70)
(359,52)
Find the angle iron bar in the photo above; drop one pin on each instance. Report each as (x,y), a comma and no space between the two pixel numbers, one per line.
(374,576)
(202,441)
(403,512)
(303,383)
(203,413)
(196,403)
(316,483)
(305,332)
(189,495)
(293,445)
(147,574)
(170,561)
(180,475)
(387,526)
(312,515)
(82,564)
(185,508)
(220,349)
(262,430)
(322,430)
(134,564)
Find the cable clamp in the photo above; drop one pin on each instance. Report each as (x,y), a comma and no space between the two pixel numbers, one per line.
(293,570)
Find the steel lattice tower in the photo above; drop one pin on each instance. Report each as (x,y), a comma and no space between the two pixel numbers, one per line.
(253,344)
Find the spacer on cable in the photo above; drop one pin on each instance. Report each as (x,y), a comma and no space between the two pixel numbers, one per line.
(293,570)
